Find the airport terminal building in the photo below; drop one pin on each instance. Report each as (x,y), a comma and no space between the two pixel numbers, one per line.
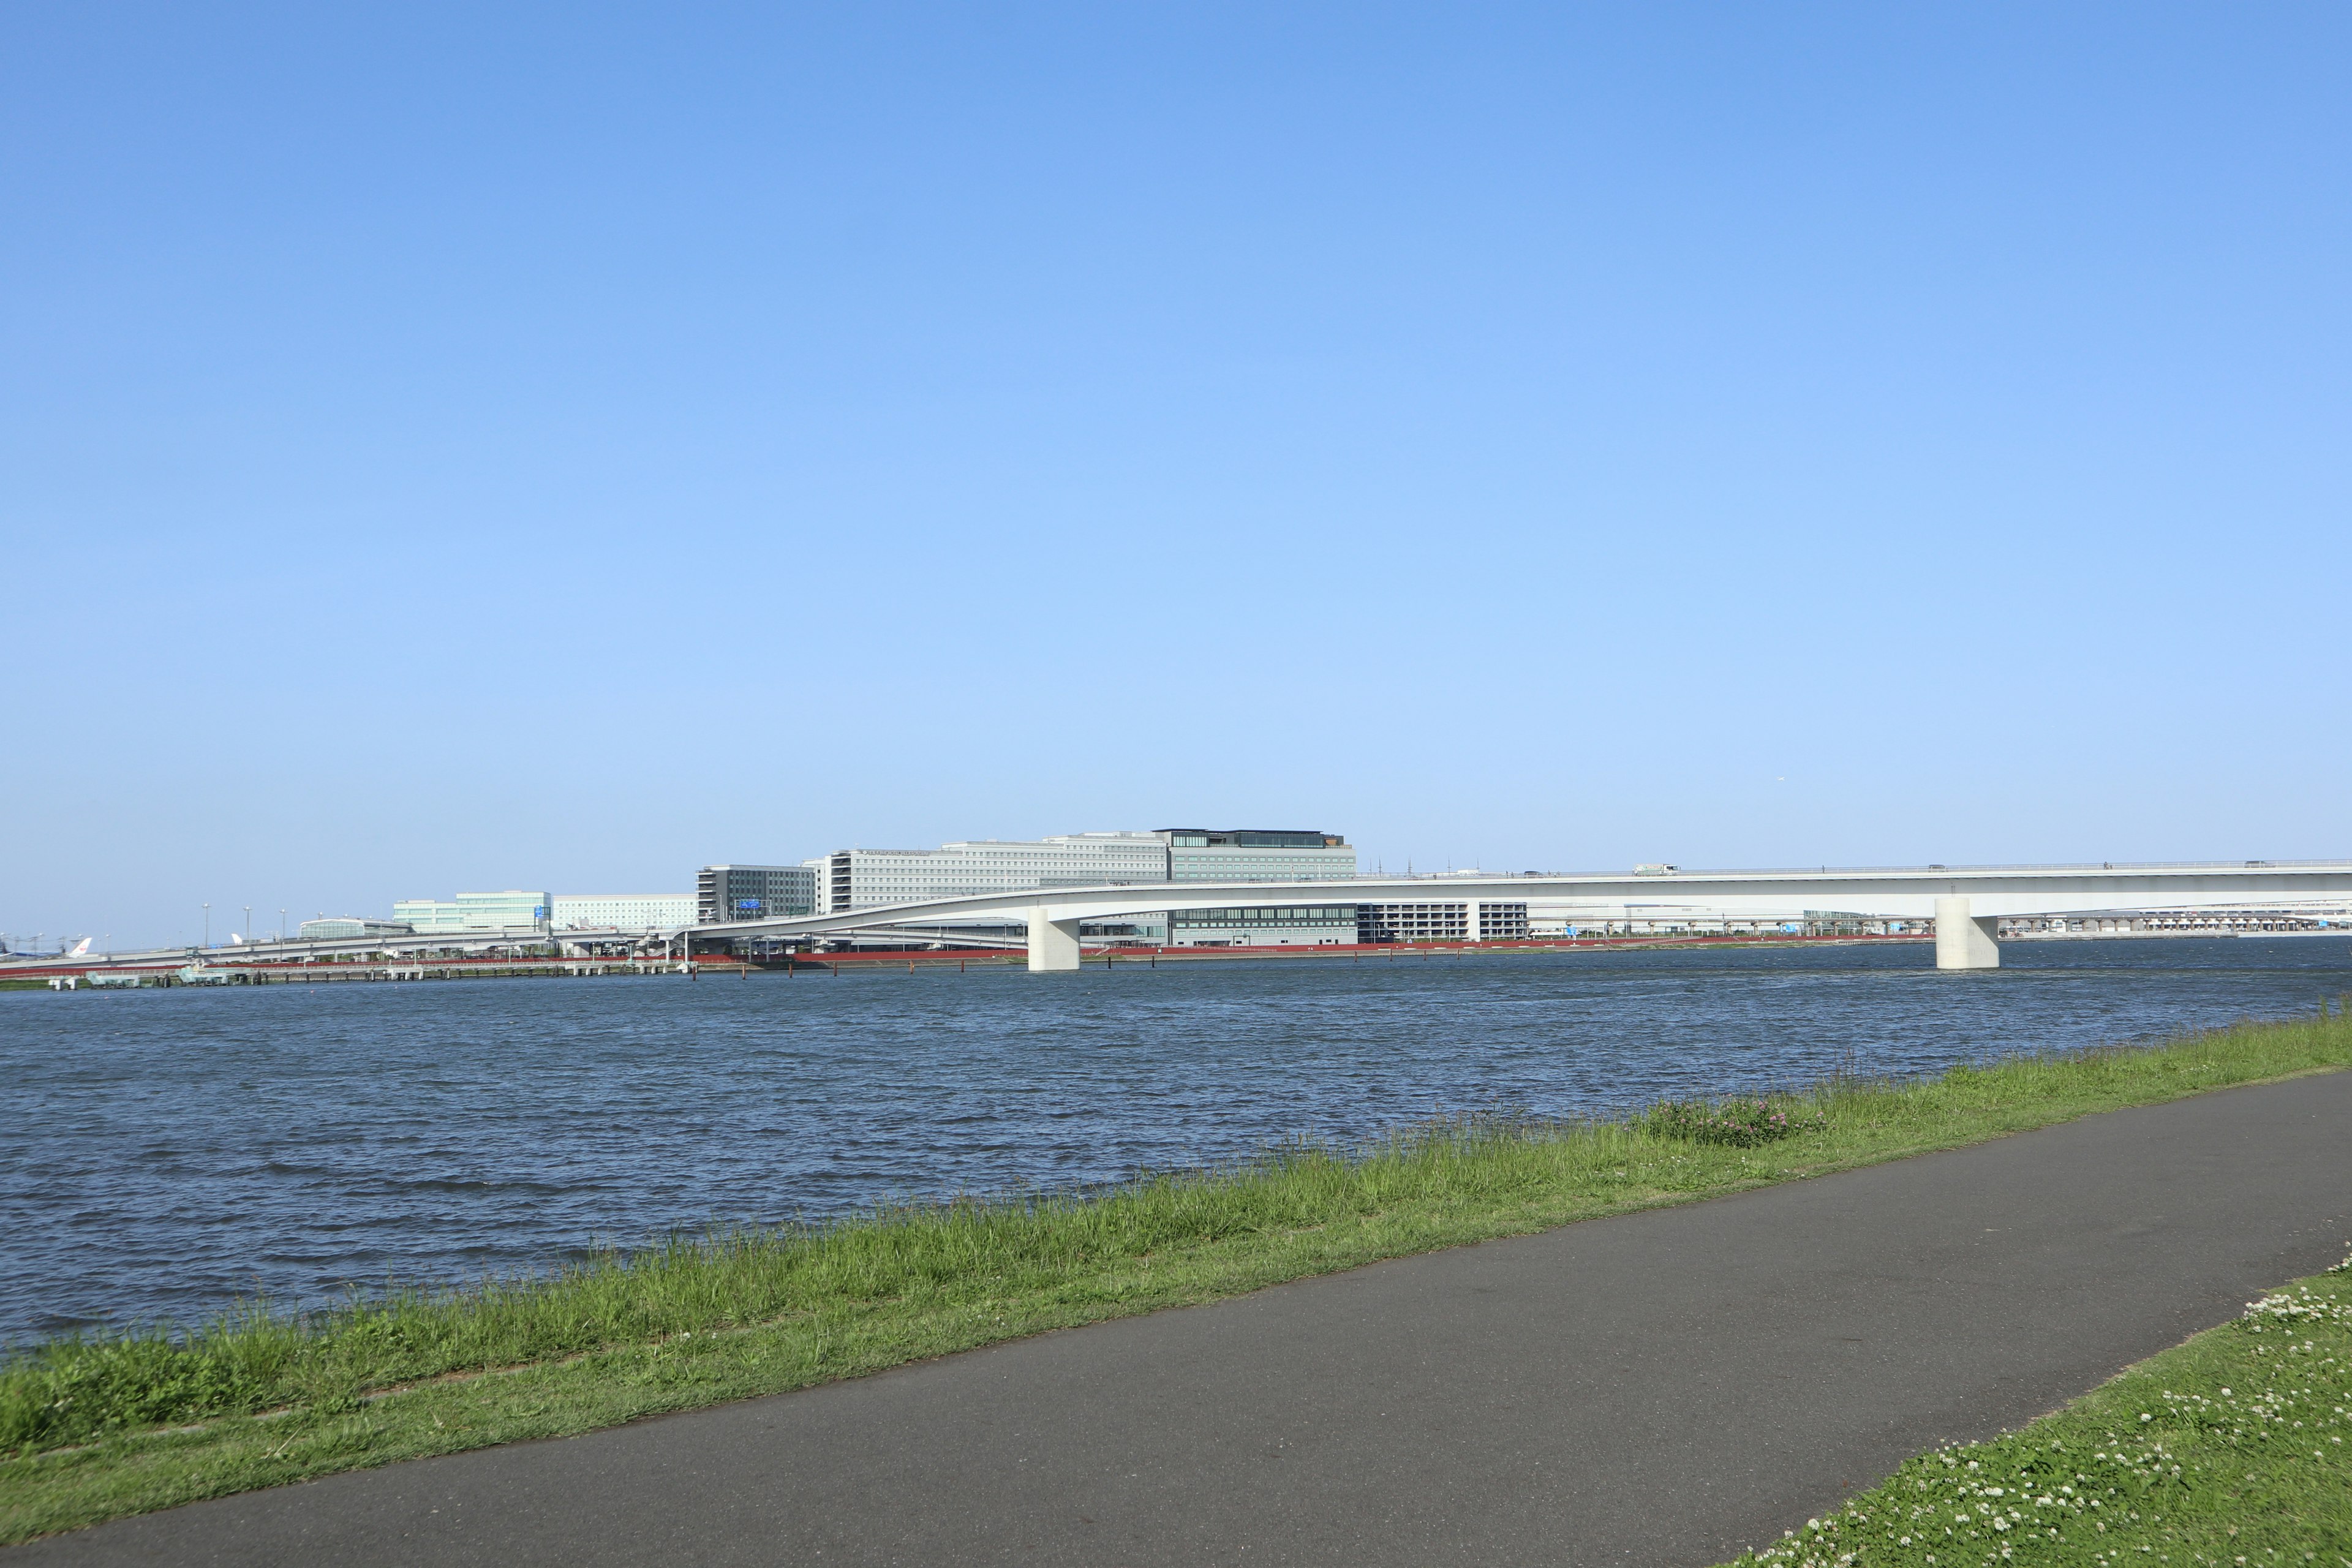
(850,880)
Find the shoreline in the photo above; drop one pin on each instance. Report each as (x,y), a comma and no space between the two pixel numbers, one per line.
(170,975)
(173,976)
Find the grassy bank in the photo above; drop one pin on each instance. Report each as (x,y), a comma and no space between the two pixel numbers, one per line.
(2228,1449)
(96,1427)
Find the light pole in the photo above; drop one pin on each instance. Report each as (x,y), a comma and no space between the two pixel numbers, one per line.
(248,922)
(208,925)
(281,925)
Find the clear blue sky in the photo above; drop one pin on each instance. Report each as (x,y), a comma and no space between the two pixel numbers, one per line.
(472,446)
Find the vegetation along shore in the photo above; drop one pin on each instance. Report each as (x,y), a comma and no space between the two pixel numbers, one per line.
(96,1426)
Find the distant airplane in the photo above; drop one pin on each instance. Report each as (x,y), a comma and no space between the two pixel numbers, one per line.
(79,949)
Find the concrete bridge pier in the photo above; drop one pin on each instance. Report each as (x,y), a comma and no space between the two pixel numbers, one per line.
(1053,945)
(1962,942)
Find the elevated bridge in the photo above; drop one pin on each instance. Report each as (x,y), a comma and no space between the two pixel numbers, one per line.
(1965,902)
(296,950)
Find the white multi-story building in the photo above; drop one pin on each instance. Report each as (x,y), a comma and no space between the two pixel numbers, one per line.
(1260,855)
(623,911)
(851,880)
(473,911)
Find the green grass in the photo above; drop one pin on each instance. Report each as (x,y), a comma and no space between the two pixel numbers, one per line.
(2228,1449)
(98,1427)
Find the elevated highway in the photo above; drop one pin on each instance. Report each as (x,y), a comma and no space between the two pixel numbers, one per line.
(1965,902)
(297,951)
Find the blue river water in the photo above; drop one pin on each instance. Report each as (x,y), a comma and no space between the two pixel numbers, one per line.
(165,1151)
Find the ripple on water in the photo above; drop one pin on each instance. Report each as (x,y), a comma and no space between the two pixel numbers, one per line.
(170,1150)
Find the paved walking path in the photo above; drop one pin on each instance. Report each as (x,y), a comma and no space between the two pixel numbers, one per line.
(1659,1389)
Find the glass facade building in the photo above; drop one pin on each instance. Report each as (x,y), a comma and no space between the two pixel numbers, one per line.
(1288,925)
(723,893)
(343,928)
(1259,855)
(623,911)
(1255,855)
(506,910)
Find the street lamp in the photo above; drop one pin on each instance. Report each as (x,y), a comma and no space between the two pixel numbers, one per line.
(248,922)
(208,925)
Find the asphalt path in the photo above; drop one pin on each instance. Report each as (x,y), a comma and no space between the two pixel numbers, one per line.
(1658,1388)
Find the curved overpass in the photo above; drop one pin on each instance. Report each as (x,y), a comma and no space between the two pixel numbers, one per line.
(1963,901)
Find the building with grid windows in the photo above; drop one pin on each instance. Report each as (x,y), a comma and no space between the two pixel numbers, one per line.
(1255,855)
(623,911)
(425,916)
(1288,925)
(851,880)
(753,893)
(848,881)
(1465,920)
(1259,855)
(473,911)
(1502,922)
(1412,922)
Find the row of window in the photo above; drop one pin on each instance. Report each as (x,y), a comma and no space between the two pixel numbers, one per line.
(1369,930)
(1250,840)
(1330,915)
